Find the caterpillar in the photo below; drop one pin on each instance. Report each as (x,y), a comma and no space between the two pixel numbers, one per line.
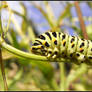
(56,45)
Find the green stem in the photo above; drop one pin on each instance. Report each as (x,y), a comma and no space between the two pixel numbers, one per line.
(62,76)
(1,61)
(22,53)
(44,14)
(54,85)
(64,14)
(50,13)
(3,72)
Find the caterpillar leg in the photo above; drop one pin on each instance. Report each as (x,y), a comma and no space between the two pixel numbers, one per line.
(49,54)
(50,58)
(80,57)
(52,54)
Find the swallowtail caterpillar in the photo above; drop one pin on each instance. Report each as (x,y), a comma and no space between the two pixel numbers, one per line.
(56,45)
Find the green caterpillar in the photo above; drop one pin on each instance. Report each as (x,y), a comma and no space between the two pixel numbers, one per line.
(56,45)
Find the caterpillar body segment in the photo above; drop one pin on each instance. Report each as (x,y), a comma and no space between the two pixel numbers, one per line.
(57,45)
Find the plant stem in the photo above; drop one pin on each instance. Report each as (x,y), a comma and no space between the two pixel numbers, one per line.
(62,76)
(21,53)
(44,14)
(82,24)
(63,15)
(1,61)
(3,72)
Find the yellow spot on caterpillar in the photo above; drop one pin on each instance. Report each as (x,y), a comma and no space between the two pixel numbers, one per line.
(72,43)
(53,40)
(81,49)
(38,46)
(44,42)
(63,41)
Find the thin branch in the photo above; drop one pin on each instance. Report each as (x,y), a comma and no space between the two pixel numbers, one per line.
(1,61)
(49,12)
(63,15)
(82,24)
(44,14)
(62,77)
(3,72)
(21,53)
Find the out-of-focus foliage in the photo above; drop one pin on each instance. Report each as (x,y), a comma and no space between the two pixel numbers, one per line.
(22,21)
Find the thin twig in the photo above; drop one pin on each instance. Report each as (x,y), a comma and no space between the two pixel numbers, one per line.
(63,15)
(3,72)
(49,12)
(44,14)
(1,61)
(82,24)
(62,77)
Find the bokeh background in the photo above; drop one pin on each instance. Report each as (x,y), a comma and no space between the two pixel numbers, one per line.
(22,22)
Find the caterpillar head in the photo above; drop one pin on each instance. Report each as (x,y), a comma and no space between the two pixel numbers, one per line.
(38,48)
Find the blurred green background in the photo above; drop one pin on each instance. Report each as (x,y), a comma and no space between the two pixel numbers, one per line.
(22,22)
